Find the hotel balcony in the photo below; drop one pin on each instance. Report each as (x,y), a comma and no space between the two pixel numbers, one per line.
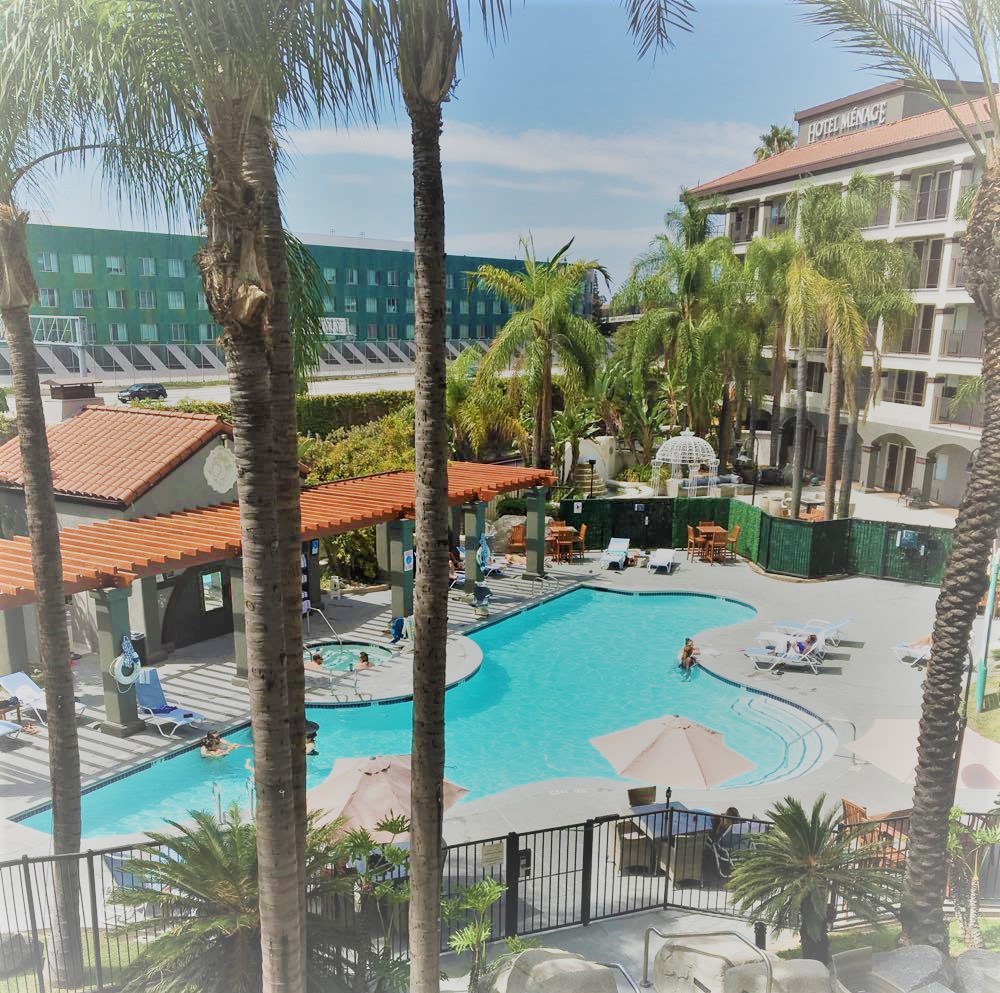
(947,411)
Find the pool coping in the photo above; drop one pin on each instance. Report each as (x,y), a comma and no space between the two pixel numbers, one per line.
(126,840)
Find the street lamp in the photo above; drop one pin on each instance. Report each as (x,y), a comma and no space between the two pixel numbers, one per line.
(592,463)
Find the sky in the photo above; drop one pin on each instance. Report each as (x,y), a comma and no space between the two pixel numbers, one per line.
(558,132)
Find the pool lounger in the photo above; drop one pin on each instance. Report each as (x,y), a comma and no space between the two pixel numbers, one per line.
(616,554)
(822,629)
(914,655)
(30,695)
(154,709)
(8,729)
(769,661)
(781,642)
(662,558)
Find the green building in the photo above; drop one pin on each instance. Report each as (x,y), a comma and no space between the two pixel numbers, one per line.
(140,300)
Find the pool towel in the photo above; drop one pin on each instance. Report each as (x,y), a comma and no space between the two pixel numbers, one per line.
(396,630)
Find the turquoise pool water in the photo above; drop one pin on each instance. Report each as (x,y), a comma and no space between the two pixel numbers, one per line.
(344,655)
(582,665)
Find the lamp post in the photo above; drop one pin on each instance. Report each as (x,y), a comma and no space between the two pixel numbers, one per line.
(592,463)
(756,469)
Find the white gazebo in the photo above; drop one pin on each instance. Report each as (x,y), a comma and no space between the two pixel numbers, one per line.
(685,454)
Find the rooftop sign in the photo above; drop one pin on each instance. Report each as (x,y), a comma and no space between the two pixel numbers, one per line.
(865,115)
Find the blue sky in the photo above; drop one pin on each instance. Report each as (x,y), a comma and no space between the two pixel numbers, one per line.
(560,131)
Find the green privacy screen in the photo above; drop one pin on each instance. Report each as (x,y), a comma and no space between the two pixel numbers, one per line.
(808,550)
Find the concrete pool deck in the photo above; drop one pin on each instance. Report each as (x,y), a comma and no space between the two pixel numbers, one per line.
(862,681)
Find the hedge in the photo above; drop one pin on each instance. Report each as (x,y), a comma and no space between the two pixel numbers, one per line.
(8,427)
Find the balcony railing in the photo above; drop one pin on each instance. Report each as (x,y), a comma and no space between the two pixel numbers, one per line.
(948,411)
(903,396)
(967,344)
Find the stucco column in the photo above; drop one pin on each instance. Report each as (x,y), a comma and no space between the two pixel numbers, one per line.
(869,465)
(382,551)
(152,622)
(474,521)
(534,535)
(235,567)
(13,641)
(928,462)
(111,607)
(400,543)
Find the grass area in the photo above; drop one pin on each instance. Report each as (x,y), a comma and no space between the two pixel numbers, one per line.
(117,951)
(884,939)
(987,723)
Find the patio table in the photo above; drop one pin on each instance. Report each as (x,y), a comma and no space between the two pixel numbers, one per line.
(561,535)
(716,539)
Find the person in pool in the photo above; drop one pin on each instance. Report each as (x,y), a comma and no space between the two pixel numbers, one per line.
(311,748)
(688,658)
(213,747)
(363,661)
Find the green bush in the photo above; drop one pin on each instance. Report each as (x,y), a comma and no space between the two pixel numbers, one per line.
(635,474)
(512,505)
(320,415)
(8,428)
(188,406)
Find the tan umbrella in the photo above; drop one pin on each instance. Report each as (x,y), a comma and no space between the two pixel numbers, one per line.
(891,745)
(366,791)
(672,751)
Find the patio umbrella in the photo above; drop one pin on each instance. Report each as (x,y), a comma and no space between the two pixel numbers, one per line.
(672,750)
(891,745)
(365,791)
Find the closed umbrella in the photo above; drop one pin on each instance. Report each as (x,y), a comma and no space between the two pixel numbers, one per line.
(674,751)
(365,791)
(891,745)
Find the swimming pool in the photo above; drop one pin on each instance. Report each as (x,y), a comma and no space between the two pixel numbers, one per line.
(553,677)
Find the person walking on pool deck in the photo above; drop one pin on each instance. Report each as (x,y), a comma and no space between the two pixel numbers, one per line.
(688,657)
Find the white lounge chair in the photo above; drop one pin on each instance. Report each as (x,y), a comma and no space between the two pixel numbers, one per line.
(914,655)
(616,554)
(30,695)
(8,729)
(154,708)
(825,630)
(662,558)
(780,641)
(768,661)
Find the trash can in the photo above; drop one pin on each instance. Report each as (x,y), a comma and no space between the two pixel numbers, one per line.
(138,639)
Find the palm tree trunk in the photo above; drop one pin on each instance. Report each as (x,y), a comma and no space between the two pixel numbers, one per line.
(798,455)
(543,456)
(724,424)
(847,465)
(17,291)
(778,366)
(812,948)
(260,171)
(536,432)
(832,435)
(234,274)
(431,585)
(962,587)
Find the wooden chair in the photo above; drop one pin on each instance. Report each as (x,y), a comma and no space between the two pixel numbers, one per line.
(716,547)
(565,543)
(515,543)
(695,544)
(894,854)
(706,524)
(731,539)
(634,848)
(581,541)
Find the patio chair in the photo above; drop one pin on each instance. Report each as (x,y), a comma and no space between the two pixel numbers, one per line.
(912,654)
(581,542)
(830,632)
(30,695)
(616,554)
(634,849)
(515,542)
(662,558)
(121,915)
(8,729)
(687,865)
(731,539)
(768,661)
(695,543)
(154,708)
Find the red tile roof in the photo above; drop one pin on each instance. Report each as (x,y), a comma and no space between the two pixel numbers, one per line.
(117,552)
(116,454)
(931,128)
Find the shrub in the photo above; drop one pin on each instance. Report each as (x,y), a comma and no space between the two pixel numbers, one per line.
(8,428)
(512,505)
(635,474)
(321,415)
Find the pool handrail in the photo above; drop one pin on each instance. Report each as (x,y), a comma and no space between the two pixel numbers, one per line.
(651,930)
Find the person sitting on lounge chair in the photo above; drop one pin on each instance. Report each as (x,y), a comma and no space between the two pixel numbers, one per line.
(802,646)
(213,747)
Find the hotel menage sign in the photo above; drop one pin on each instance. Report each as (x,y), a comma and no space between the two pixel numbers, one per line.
(865,115)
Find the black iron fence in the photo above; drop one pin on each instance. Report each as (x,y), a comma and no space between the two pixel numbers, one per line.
(652,858)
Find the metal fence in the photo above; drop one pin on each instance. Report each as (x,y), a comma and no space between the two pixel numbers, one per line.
(652,858)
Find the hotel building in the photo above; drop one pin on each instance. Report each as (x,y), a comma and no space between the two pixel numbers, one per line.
(916,435)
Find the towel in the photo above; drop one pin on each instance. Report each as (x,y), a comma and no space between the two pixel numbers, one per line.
(396,630)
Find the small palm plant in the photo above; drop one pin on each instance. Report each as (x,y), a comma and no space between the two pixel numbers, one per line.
(789,877)
(202,882)
(967,845)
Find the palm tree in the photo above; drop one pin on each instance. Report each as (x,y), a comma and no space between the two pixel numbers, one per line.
(207,917)
(571,425)
(790,875)
(544,328)
(915,41)
(777,138)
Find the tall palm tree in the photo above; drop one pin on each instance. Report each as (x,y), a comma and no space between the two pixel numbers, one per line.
(777,138)
(544,328)
(918,41)
(789,875)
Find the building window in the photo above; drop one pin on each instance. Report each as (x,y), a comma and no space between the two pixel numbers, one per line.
(147,300)
(372,330)
(962,333)
(48,297)
(147,267)
(930,192)
(83,264)
(117,299)
(391,331)
(89,332)
(83,298)
(175,268)
(374,277)
(352,277)
(350,305)
(205,332)
(148,332)
(447,307)
(449,281)
(329,304)
(482,331)
(392,278)
(774,217)
(330,275)
(202,302)
(496,307)
(744,223)
(409,280)
(371,305)
(178,332)
(114,265)
(480,307)
(175,299)
(352,329)
(916,340)
(463,330)
(118,332)
(409,305)
(956,272)
(928,254)
(391,305)
(905,386)
(463,306)
(409,331)
(47,261)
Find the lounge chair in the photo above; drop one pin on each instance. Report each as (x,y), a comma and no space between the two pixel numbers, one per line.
(825,630)
(8,729)
(779,641)
(912,654)
(30,695)
(662,558)
(768,661)
(154,709)
(616,554)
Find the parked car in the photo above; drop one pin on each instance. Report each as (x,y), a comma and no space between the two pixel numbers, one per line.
(143,391)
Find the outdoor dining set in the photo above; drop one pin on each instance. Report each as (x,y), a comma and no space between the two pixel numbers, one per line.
(710,542)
